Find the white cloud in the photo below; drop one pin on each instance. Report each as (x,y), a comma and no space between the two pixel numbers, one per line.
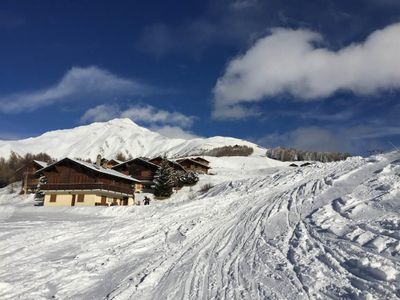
(101,113)
(174,132)
(235,112)
(169,124)
(150,114)
(91,83)
(288,61)
(307,138)
(356,139)
(146,114)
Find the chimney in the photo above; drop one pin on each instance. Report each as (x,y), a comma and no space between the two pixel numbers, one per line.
(98,161)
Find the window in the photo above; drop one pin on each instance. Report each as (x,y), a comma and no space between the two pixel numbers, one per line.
(53,198)
(81,197)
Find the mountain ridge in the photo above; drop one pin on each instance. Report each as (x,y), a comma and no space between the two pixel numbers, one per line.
(114,136)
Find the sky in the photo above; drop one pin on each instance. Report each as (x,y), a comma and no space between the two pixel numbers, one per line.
(318,75)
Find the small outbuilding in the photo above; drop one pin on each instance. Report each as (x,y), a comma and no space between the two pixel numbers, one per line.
(192,165)
(176,166)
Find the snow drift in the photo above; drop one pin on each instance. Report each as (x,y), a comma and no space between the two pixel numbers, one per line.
(263,231)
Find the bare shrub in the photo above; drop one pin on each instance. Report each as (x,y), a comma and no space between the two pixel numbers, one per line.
(121,157)
(205,188)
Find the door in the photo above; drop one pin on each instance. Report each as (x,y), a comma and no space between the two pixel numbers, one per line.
(73,200)
(103,200)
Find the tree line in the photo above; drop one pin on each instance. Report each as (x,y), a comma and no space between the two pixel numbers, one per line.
(290,154)
(236,150)
(10,166)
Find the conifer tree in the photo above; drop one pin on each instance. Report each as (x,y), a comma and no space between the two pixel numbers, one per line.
(164,180)
(39,195)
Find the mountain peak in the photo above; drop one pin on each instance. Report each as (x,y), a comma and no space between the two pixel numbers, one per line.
(122,121)
(112,137)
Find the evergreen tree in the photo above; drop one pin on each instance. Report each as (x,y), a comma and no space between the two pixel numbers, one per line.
(190,178)
(39,195)
(164,180)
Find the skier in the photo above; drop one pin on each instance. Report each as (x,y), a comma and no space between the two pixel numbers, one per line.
(146,200)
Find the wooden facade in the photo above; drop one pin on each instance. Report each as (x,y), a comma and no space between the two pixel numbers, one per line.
(112,163)
(176,166)
(140,169)
(202,160)
(72,181)
(29,177)
(193,165)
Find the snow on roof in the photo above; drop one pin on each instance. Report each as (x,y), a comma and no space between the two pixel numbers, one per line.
(169,160)
(43,164)
(193,161)
(200,158)
(138,158)
(93,167)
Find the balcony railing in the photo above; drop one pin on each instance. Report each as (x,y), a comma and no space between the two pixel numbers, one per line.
(86,186)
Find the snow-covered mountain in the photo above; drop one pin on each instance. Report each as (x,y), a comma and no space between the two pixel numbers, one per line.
(112,137)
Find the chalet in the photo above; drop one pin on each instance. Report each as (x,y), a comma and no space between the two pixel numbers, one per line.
(112,163)
(192,165)
(176,166)
(71,182)
(29,179)
(140,169)
(202,160)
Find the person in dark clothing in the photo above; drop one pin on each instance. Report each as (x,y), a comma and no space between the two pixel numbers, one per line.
(146,200)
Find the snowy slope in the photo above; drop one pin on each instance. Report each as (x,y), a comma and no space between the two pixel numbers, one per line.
(328,231)
(109,138)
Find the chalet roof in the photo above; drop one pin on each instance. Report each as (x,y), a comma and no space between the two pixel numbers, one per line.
(139,160)
(43,164)
(171,161)
(193,161)
(116,160)
(93,167)
(40,163)
(201,159)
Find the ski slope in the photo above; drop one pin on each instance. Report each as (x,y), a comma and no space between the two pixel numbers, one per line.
(115,136)
(264,231)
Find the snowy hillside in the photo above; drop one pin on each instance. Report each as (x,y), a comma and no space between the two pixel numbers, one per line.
(264,231)
(109,138)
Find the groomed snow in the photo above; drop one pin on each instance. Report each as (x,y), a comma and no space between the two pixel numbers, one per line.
(263,231)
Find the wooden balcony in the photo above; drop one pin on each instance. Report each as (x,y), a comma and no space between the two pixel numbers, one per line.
(85,187)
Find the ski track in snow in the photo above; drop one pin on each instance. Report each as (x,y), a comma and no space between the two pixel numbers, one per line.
(324,231)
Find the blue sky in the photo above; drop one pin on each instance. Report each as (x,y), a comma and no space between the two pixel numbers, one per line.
(316,75)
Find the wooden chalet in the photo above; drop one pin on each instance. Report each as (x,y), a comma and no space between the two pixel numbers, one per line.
(194,166)
(176,166)
(141,169)
(202,160)
(28,175)
(112,163)
(71,182)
